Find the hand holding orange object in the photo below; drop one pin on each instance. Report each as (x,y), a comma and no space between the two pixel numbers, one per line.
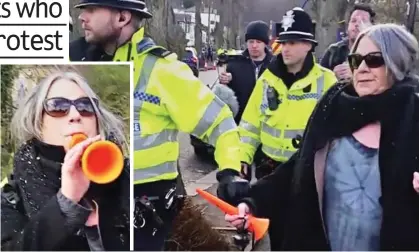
(102,161)
(74,183)
(257,225)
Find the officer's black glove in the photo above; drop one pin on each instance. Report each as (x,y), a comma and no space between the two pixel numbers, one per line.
(232,188)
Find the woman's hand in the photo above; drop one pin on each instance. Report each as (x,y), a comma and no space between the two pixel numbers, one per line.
(416,181)
(74,184)
(237,220)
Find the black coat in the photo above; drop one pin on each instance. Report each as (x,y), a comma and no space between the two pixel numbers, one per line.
(80,50)
(242,70)
(36,221)
(289,196)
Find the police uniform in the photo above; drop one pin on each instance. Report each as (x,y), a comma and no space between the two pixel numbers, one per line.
(275,117)
(168,98)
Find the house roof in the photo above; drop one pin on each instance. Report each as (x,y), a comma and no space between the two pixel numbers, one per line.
(181,17)
(192,9)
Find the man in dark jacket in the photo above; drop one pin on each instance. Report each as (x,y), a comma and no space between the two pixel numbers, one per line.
(242,73)
(335,57)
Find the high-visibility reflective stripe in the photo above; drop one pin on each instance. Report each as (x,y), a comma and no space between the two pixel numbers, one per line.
(271,151)
(211,113)
(293,133)
(226,124)
(153,171)
(288,153)
(320,84)
(274,152)
(249,127)
(149,141)
(146,70)
(249,140)
(317,95)
(270,130)
(153,140)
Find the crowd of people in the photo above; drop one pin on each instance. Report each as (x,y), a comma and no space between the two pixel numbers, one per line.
(335,143)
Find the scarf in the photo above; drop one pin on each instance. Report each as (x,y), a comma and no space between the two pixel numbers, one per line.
(37,169)
(341,113)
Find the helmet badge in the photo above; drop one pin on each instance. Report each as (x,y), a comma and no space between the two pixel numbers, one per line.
(288,20)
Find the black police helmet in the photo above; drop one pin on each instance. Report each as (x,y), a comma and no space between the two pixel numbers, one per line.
(136,6)
(296,25)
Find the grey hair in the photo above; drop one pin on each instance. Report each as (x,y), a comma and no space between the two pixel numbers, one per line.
(27,120)
(399,48)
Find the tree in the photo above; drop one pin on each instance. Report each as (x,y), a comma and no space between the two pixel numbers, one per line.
(327,14)
(219,27)
(8,74)
(198,25)
(162,28)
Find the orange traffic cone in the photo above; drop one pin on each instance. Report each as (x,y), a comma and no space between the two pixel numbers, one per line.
(258,226)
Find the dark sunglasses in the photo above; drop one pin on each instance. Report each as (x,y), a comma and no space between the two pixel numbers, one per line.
(373,60)
(59,106)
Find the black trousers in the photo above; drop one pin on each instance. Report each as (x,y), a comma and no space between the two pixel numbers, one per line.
(144,240)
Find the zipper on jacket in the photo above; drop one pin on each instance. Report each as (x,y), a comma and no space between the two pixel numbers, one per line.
(257,69)
(98,224)
(129,52)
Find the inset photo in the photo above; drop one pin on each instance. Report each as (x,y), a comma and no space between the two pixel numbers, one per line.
(65,157)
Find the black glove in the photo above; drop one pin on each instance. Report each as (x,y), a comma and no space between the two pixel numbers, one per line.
(232,188)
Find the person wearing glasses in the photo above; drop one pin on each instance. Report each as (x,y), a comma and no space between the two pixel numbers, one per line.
(354,184)
(48,203)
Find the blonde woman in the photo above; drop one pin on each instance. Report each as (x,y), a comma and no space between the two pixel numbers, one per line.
(50,204)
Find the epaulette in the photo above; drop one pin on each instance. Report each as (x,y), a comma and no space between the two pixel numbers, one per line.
(160,52)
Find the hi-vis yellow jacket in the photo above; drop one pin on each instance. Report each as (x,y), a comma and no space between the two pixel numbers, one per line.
(275,130)
(169,98)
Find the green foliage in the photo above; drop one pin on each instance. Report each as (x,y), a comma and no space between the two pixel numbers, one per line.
(112,84)
(8,74)
(188,3)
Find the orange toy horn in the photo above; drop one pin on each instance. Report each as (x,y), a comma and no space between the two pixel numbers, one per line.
(258,226)
(102,161)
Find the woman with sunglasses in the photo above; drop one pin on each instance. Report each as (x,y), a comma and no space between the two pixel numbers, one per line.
(354,183)
(49,204)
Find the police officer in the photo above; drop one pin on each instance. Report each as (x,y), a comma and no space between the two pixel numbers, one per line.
(168,98)
(284,97)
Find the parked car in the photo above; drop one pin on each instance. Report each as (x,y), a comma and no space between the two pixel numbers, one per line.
(191,59)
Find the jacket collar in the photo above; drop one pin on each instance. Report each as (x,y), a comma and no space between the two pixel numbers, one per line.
(279,69)
(267,58)
(137,45)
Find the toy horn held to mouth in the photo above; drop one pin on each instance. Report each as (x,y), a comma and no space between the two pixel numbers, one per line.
(102,162)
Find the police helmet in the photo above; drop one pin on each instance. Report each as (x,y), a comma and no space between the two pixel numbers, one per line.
(136,6)
(296,25)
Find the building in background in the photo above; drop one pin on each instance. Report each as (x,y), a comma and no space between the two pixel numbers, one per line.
(186,19)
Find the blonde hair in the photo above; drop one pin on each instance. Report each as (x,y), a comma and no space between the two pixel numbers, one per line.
(27,121)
